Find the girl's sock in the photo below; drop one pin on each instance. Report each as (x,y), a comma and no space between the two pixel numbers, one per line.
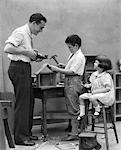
(82,111)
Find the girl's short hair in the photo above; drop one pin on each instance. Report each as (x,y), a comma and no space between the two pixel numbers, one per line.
(73,39)
(104,62)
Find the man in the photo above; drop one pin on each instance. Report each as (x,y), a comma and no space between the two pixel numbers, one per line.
(20,51)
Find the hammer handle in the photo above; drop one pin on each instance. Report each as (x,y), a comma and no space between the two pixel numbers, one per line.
(56,60)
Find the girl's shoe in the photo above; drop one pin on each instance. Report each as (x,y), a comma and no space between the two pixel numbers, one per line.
(80,116)
(96,113)
(97,110)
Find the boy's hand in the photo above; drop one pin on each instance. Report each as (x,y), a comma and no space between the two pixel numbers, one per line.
(52,68)
(61,65)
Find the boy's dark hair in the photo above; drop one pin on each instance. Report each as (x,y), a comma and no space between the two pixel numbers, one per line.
(104,62)
(73,39)
(37,17)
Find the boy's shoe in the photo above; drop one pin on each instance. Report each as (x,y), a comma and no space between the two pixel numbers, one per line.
(98,146)
(70,138)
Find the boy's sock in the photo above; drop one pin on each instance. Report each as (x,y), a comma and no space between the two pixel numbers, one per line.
(82,111)
(97,110)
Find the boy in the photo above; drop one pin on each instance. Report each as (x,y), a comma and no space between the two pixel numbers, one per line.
(73,71)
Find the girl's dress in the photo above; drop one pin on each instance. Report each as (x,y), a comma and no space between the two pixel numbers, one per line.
(100,81)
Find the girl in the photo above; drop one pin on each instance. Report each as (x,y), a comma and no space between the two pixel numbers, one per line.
(101,84)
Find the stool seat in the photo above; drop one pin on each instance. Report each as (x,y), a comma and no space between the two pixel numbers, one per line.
(87,134)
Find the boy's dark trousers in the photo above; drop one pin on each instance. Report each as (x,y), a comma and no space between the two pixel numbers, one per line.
(20,75)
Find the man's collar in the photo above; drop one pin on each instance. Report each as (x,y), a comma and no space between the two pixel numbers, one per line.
(28,31)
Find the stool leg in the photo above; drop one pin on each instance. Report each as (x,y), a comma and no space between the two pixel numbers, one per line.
(80,143)
(8,134)
(86,112)
(93,120)
(2,135)
(114,126)
(105,127)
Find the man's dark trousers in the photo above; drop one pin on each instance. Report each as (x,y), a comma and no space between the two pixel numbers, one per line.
(20,75)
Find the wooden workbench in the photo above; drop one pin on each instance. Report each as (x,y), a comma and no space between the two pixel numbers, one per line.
(44,93)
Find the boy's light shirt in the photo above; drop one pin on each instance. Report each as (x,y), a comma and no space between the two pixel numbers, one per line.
(21,37)
(76,63)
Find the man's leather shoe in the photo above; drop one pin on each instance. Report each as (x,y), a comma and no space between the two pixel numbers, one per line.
(25,143)
(98,146)
(33,137)
(70,138)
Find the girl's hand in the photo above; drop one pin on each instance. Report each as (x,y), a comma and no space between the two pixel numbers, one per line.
(87,86)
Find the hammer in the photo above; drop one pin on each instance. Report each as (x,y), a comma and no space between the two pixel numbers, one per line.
(54,58)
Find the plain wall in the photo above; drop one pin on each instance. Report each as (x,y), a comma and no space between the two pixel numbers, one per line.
(97,22)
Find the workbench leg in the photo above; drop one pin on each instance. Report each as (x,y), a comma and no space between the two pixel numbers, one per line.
(8,134)
(44,119)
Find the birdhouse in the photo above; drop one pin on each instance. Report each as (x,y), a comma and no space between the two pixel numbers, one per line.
(44,77)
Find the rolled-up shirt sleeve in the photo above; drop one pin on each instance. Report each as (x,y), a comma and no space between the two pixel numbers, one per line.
(16,39)
(76,65)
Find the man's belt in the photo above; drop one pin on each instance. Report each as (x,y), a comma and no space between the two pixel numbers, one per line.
(19,61)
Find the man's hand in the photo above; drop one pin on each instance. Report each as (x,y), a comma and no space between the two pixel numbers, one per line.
(39,57)
(33,55)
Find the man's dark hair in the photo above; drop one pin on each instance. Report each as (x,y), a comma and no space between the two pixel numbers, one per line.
(37,17)
(73,39)
(104,62)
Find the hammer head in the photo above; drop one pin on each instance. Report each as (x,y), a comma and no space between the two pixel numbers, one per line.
(53,56)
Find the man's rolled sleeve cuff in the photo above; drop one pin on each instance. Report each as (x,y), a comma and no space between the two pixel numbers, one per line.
(11,42)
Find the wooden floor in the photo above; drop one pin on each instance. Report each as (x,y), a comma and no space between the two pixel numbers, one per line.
(56,132)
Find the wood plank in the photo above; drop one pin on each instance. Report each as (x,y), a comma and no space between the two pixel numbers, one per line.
(2,133)
(1,75)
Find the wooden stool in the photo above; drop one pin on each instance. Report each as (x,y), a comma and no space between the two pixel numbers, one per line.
(4,104)
(109,110)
